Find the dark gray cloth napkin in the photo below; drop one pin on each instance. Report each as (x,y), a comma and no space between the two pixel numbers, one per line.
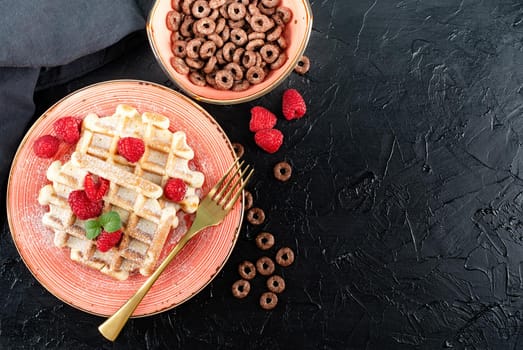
(39,36)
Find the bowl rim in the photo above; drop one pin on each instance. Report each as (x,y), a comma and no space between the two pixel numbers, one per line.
(230,101)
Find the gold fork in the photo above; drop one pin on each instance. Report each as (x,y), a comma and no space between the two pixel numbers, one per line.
(211,211)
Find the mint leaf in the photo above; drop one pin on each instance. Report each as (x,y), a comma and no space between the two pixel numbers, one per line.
(92,228)
(110,221)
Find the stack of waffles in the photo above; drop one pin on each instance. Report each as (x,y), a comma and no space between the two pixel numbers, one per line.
(135,191)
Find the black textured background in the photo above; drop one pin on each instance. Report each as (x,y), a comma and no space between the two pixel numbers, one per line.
(404,209)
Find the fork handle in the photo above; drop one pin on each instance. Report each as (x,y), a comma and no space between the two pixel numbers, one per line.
(114,324)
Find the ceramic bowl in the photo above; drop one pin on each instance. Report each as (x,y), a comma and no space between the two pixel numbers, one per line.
(297,33)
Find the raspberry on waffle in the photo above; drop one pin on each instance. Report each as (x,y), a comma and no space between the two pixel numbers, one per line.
(135,190)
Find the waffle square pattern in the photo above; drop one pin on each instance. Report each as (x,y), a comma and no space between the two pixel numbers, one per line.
(135,190)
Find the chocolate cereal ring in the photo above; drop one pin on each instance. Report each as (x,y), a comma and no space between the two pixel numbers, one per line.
(224,79)
(282,171)
(207,49)
(275,33)
(249,59)
(192,48)
(210,65)
(270,3)
(285,256)
(280,61)
(261,23)
(269,53)
(239,36)
(259,61)
(186,26)
(282,42)
(236,11)
(216,39)
(277,19)
(256,35)
(186,6)
(239,150)
(266,10)
(253,45)
(219,56)
(179,65)
(174,19)
(176,36)
(210,78)
(268,300)
(241,85)
(214,4)
(247,270)
(223,11)
(236,24)
(247,197)
(228,51)
(178,48)
(303,65)
(214,14)
(200,9)
(253,9)
(255,75)
(265,266)
(220,25)
(195,63)
(226,33)
(176,5)
(264,240)
(235,69)
(256,216)
(237,55)
(285,13)
(204,26)
(240,289)
(197,78)
(276,284)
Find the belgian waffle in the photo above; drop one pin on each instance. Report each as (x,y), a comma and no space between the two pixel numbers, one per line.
(135,191)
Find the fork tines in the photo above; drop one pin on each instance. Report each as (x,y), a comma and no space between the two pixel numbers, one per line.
(237,177)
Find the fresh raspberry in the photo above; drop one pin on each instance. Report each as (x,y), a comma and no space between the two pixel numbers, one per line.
(131,148)
(95,187)
(67,129)
(175,189)
(82,206)
(107,240)
(261,118)
(46,146)
(269,140)
(293,105)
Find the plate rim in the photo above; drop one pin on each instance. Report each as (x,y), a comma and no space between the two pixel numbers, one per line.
(34,125)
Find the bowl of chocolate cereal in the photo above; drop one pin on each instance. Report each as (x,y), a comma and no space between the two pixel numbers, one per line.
(229,51)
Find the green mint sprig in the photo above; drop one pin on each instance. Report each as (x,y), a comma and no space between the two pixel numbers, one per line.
(110,222)
(92,228)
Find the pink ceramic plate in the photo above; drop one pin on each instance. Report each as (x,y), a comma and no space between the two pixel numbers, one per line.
(297,34)
(87,289)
